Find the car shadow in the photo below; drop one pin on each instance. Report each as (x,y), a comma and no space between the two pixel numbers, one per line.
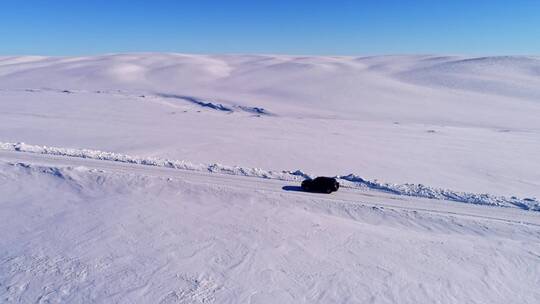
(292,188)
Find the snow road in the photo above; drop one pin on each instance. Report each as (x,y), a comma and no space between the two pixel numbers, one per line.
(367,197)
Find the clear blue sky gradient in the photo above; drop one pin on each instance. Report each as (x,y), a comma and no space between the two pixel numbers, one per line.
(81,27)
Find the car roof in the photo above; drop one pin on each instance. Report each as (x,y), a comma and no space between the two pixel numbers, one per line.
(325,177)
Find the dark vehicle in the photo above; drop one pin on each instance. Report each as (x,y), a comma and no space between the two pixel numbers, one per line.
(320,184)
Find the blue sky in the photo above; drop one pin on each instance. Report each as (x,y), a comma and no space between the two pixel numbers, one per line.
(78,27)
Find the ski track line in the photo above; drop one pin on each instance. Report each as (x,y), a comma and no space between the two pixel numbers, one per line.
(348,195)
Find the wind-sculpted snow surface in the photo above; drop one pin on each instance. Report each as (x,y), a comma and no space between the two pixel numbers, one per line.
(197,101)
(215,105)
(351,180)
(79,234)
(490,75)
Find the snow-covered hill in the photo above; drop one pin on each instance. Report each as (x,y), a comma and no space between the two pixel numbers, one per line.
(399,88)
(469,124)
(79,225)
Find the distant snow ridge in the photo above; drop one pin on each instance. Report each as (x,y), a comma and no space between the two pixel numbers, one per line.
(202,103)
(216,106)
(351,180)
(259,111)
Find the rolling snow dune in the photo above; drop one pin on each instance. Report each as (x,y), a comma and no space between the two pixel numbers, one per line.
(411,87)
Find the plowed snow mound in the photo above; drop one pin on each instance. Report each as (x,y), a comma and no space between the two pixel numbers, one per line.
(350,180)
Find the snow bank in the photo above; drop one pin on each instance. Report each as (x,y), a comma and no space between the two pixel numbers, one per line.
(420,190)
(351,180)
(151,161)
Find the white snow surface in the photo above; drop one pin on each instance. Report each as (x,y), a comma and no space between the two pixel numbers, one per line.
(428,148)
(98,232)
(464,123)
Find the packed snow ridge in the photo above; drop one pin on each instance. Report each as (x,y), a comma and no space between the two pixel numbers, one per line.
(351,180)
